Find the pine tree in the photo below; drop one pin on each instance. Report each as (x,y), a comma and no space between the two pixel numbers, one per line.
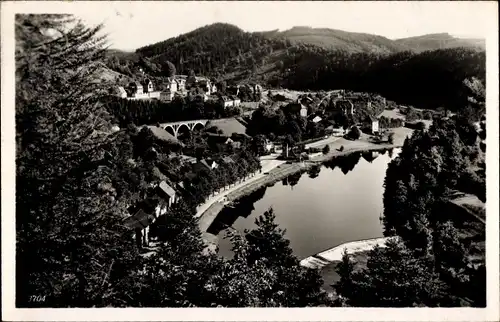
(345,269)
(69,202)
(394,277)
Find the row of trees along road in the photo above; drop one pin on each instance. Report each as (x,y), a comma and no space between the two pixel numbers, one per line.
(75,180)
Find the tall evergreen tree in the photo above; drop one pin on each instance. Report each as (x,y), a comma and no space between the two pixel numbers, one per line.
(71,245)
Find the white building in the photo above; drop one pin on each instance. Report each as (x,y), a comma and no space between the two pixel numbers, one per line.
(374,125)
(171,85)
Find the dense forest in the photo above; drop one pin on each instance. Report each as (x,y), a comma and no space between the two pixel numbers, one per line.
(427,80)
(213,50)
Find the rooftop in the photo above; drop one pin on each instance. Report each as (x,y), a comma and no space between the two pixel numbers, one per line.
(139,220)
(317,119)
(228,126)
(392,114)
(165,187)
(227,159)
(163,135)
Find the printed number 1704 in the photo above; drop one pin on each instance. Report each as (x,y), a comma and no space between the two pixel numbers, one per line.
(37,298)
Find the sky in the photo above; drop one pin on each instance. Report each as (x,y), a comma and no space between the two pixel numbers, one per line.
(132,24)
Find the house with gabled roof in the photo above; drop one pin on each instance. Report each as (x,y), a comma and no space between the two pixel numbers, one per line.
(142,215)
(147,86)
(296,108)
(181,82)
(236,100)
(167,193)
(134,88)
(230,101)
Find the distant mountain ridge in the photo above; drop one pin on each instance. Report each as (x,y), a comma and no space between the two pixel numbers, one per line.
(341,40)
(440,41)
(334,39)
(222,49)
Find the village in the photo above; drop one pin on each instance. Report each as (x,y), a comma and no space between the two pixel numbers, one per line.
(277,158)
(181,85)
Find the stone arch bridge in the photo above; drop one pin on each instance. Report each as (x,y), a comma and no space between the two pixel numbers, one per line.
(174,127)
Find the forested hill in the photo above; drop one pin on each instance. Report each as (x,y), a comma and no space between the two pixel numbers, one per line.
(351,42)
(318,59)
(439,41)
(428,80)
(212,49)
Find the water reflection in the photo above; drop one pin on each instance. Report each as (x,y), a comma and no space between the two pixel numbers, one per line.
(293,179)
(345,163)
(370,156)
(241,208)
(314,171)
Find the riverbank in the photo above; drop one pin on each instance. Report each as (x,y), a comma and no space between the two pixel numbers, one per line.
(327,261)
(334,254)
(266,164)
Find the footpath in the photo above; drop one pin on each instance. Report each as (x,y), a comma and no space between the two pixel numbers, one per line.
(267,165)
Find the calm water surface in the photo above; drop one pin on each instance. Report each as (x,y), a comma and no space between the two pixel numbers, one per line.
(331,204)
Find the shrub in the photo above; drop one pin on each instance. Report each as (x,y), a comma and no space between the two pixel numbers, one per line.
(390,139)
(421,126)
(355,133)
(428,115)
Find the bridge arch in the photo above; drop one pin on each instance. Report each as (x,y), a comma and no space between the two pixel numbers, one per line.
(183,127)
(197,126)
(170,129)
(174,127)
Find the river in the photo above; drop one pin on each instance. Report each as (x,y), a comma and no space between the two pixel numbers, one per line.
(333,203)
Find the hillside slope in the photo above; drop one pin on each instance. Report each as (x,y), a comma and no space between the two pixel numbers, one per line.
(439,41)
(213,49)
(351,42)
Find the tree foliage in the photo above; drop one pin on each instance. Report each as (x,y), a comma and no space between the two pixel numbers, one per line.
(394,277)
(70,193)
(180,109)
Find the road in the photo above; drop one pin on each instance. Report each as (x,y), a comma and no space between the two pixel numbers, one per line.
(322,143)
(266,164)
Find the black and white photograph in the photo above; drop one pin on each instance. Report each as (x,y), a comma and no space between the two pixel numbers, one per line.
(210,154)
